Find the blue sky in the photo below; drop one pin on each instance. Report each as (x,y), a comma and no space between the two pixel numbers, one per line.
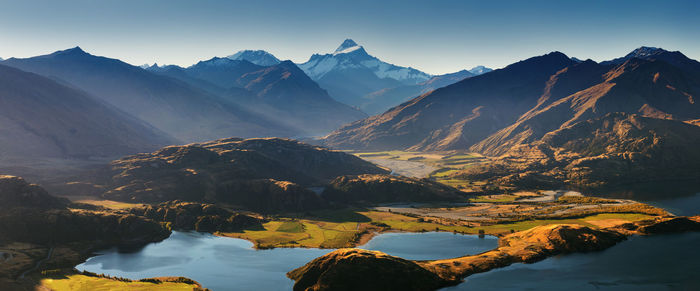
(434,36)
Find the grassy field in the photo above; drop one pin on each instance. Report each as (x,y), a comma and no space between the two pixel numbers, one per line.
(107,203)
(495,198)
(291,226)
(447,163)
(436,159)
(527,224)
(89,283)
(342,228)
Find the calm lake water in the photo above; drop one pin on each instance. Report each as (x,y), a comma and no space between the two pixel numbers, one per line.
(662,262)
(232,264)
(430,245)
(659,262)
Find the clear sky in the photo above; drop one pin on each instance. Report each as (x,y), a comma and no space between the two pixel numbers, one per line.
(432,35)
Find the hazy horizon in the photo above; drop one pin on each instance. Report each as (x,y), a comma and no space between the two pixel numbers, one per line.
(403,33)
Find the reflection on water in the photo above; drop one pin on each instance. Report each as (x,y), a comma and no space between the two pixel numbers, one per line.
(687,206)
(677,197)
(661,262)
(232,264)
(652,190)
(431,245)
(218,263)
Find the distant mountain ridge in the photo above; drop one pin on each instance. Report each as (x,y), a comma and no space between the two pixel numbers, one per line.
(281,92)
(354,77)
(350,55)
(258,57)
(350,73)
(379,101)
(175,107)
(40,118)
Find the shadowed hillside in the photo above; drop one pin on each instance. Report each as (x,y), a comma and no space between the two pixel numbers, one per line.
(256,174)
(455,116)
(41,118)
(617,148)
(185,112)
(281,92)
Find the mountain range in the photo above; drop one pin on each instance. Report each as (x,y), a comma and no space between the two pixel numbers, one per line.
(183,111)
(248,94)
(280,92)
(258,57)
(524,105)
(41,118)
(540,109)
(379,101)
(354,77)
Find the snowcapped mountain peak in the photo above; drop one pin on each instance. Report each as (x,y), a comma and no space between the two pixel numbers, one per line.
(221,62)
(258,57)
(348,50)
(347,44)
(478,70)
(351,56)
(645,51)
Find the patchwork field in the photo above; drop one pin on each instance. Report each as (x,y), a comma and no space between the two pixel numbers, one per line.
(436,165)
(348,228)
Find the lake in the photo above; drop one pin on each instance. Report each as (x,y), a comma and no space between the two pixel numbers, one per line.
(221,263)
(659,262)
(662,262)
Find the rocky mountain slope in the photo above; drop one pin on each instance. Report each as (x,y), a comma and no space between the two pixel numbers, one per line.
(379,101)
(608,150)
(549,120)
(456,116)
(40,118)
(651,88)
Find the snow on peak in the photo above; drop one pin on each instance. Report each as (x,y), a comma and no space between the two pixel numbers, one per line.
(258,57)
(645,51)
(346,45)
(351,56)
(347,50)
(217,61)
(478,70)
